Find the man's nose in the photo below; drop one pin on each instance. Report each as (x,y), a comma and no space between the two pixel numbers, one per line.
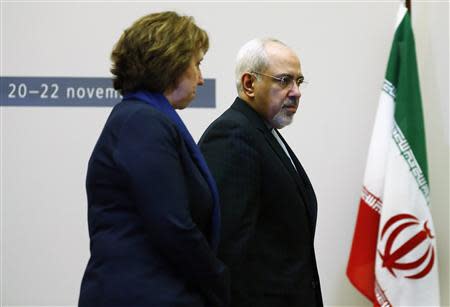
(295,91)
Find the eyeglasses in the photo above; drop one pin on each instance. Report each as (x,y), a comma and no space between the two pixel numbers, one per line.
(285,80)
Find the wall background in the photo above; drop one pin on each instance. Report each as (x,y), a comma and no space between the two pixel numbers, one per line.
(343,46)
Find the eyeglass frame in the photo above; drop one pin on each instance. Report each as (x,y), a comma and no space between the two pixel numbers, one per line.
(299,81)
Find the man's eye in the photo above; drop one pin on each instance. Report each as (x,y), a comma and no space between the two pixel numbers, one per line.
(285,80)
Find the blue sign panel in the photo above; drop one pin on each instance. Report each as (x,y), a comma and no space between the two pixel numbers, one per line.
(78,92)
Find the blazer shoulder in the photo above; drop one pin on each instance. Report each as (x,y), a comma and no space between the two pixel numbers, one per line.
(134,125)
(138,115)
(232,120)
(230,131)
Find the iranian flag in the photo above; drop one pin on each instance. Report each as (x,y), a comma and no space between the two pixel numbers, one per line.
(393,259)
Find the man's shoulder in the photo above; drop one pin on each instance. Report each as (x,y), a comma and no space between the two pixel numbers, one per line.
(239,122)
(233,116)
(228,130)
(231,122)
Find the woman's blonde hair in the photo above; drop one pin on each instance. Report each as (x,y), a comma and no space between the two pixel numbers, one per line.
(155,51)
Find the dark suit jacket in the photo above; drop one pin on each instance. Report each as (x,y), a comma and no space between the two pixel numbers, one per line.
(268,213)
(149,216)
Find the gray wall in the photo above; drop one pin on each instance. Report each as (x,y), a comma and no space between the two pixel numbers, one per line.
(343,47)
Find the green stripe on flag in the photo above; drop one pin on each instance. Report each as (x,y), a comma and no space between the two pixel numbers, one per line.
(403,74)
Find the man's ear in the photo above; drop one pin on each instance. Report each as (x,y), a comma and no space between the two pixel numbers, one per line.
(248,82)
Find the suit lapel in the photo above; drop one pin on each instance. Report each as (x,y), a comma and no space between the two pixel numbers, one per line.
(284,158)
(304,187)
(311,200)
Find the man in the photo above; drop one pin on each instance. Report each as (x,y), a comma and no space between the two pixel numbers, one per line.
(268,204)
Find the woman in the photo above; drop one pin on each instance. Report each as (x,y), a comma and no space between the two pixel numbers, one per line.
(152,204)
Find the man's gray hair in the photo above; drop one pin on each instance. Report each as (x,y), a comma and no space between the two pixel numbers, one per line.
(252,57)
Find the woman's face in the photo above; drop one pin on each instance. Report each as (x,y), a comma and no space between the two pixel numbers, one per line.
(184,92)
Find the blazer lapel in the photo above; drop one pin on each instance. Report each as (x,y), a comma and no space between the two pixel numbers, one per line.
(284,158)
(308,190)
(296,175)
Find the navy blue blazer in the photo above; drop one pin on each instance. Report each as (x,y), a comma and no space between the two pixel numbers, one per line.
(268,211)
(149,217)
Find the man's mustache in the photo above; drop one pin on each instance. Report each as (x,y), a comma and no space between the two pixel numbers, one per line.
(290,102)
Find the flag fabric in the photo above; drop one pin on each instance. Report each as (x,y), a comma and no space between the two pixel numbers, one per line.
(393,259)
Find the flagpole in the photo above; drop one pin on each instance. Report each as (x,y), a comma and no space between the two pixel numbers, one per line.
(408,5)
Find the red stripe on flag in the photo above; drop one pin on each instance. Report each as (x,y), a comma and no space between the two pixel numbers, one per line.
(361,264)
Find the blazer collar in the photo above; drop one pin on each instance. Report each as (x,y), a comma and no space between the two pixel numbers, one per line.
(260,124)
(299,176)
(253,116)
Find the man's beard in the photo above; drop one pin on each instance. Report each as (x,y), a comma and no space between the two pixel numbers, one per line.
(284,117)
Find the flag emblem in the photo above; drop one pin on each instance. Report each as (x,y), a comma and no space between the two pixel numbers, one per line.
(391,259)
